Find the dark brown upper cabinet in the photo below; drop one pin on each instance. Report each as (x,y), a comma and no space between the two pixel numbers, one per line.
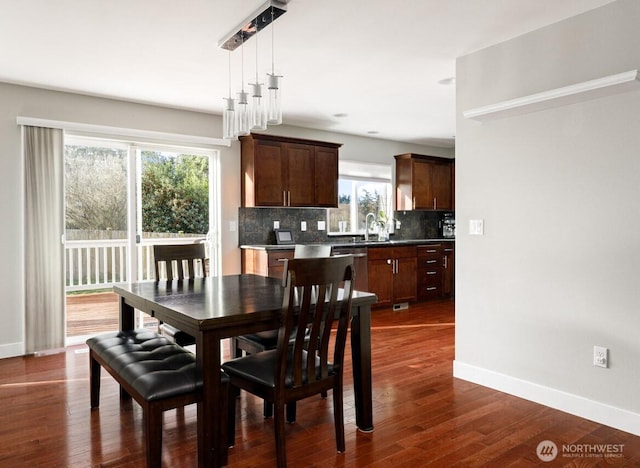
(424,182)
(283,171)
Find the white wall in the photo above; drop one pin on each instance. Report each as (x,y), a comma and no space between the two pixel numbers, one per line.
(37,103)
(558,268)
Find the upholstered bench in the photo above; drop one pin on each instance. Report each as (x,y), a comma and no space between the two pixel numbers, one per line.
(158,374)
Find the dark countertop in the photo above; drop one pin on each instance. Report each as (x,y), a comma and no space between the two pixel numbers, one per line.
(359,243)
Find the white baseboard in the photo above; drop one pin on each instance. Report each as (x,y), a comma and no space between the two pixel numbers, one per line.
(11,350)
(569,403)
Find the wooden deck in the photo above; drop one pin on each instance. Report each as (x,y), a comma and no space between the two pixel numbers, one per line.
(90,314)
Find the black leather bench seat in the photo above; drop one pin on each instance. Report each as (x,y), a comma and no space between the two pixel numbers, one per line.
(157,373)
(154,366)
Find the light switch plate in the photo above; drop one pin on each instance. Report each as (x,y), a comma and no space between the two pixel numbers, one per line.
(476,227)
(303,225)
(276,225)
(321,226)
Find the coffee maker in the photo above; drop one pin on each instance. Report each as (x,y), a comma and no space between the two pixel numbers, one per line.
(448,225)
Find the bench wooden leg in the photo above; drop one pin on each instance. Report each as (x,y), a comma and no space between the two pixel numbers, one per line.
(153,435)
(94,379)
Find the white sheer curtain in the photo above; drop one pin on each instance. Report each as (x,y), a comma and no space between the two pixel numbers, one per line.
(44,227)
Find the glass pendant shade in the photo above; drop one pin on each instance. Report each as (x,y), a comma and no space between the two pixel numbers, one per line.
(258,119)
(229,120)
(274,106)
(242,114)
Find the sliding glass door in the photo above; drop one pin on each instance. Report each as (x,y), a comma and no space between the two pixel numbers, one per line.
(121,199)
(172,202)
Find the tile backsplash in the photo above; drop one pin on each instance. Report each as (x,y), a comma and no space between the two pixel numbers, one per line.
(255,225)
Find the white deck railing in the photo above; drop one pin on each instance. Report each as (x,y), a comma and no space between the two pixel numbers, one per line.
(98,264)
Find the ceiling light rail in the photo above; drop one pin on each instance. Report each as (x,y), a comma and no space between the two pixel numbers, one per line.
(608,85)
(253,24)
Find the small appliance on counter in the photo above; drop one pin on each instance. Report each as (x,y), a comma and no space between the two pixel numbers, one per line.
(448,225)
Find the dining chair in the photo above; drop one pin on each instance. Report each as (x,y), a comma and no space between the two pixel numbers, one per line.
(307,360)
(261,341)
(178,262)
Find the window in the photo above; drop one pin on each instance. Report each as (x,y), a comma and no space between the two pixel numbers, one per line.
(362,188)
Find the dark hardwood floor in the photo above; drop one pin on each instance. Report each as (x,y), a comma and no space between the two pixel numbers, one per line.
(422,415)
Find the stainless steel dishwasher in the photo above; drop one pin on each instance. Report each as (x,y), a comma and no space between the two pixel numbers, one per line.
(359,264)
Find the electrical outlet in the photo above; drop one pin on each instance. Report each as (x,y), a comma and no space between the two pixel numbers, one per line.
(276,225)
(303,225)
(321,225)
(600,356)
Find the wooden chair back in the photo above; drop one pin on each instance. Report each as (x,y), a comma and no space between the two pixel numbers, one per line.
(306,251)
(312,304)
(179,261)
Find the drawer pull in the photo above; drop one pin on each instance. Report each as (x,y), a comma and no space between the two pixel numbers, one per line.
(432,288)
(431,273)
(431,251)
(432,261)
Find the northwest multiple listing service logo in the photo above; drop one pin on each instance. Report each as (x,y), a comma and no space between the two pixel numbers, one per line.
(548,451)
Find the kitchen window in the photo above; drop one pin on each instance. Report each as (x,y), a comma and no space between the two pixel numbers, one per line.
(362,188)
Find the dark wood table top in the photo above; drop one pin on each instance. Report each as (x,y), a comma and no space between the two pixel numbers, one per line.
(218,302)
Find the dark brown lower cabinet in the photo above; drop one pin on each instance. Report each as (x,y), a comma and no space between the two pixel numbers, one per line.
(395,274)
(265,262)
(392,274)
(271,263)
(436,277)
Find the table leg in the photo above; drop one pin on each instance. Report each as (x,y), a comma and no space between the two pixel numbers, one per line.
(212,440)
(127,316)
(361,358)
(127,322)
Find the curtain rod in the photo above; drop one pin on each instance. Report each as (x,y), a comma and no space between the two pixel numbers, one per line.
(122,131)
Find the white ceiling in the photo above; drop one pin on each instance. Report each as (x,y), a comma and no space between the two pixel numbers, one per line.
(378,62)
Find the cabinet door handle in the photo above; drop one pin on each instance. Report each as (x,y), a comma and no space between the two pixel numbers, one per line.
(288,197)
(445,263)
(413,203)
(397,266)
(284,198)
(434,203)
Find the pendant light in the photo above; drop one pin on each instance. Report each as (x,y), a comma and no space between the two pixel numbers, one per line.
(254,112)
(242,111)
(274,107)
(229,113)
(258,119)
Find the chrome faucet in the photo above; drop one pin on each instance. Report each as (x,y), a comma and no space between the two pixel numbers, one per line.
(366,226)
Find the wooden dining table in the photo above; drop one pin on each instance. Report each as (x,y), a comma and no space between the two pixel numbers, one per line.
(214,308)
